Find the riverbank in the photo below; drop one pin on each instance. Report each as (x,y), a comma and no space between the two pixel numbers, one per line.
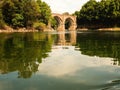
(109,29)
(100,29)
(20,30)
(10,30)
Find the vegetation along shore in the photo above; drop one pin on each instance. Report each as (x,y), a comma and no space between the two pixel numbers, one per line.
(36,15)
(104,14)
(24,15)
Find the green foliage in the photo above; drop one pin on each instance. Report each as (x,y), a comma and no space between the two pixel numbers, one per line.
(1,20)
(39,26)
(31,12)
(8,10)
(17,21)
(2,24)
(54,23)
(105,13)
(24,13)
(45,12)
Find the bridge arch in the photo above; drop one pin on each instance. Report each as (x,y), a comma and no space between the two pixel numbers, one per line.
(69,22)
(59,21)
(63,20)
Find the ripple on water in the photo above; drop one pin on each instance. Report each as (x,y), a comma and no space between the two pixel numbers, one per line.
(112,85)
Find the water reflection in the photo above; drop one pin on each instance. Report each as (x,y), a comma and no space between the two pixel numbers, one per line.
(101,44)
(23,53)
(66,38)
(60,61)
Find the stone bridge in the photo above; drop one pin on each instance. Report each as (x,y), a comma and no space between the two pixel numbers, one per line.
(61,20)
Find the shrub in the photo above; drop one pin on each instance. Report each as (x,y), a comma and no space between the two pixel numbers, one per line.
(39,26)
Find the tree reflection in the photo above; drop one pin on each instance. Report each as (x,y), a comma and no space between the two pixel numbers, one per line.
(23,52)
(100,44)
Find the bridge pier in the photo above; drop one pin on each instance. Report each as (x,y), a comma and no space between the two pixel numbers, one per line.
(61,27)
(73,27)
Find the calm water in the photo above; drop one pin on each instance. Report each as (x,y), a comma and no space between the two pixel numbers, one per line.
(60,61)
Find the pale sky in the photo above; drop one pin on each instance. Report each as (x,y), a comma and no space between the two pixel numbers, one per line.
(61,6)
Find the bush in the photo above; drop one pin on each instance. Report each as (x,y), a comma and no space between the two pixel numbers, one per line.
(39,26)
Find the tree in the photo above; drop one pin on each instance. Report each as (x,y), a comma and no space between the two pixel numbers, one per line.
(1,16)
(45,12)
(105,13)
(31,12)
(54,23)
(13,13)
(88,15)
(24,13)
(8,10)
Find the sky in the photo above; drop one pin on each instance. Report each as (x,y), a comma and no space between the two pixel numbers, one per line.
(61,6)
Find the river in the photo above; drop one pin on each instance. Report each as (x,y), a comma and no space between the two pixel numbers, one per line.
(60,61)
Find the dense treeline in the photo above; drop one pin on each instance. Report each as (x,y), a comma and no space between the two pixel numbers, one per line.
(105,13)
(24,13)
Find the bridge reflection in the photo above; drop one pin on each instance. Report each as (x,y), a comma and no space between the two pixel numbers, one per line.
(66,38)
